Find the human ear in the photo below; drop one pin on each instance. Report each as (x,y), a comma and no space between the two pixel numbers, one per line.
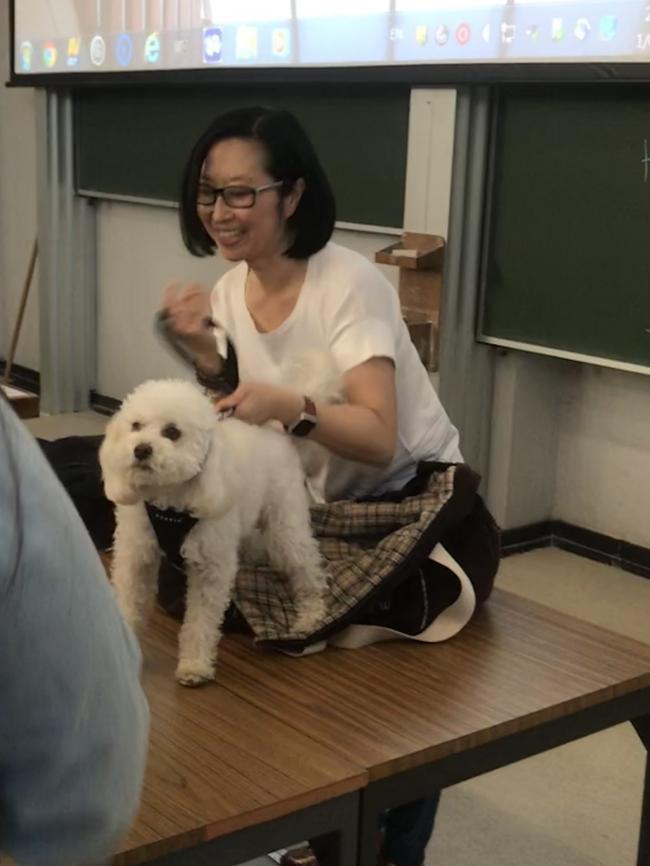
(292,199)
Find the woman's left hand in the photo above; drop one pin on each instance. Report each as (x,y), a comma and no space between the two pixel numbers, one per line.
(259,403)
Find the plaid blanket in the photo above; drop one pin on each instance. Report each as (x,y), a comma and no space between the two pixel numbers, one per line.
(371,550)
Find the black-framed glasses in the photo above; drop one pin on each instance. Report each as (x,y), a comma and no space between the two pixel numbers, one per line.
(234,196)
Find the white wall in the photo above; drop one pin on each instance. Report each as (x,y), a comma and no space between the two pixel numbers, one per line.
(525,429)
(17,205)
(429,160)
(603,466)
(570,442)
(139,252)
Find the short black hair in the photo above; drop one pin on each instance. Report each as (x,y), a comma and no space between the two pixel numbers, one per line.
(290,155)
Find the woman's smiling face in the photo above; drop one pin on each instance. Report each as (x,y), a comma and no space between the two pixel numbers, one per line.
(255,234)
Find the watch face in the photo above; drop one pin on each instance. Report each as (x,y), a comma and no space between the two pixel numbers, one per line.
(303,427)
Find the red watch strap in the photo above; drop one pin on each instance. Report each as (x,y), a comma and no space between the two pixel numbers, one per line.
(310,407)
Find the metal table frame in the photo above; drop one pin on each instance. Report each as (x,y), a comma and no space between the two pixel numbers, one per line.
(413,784)
(335,822)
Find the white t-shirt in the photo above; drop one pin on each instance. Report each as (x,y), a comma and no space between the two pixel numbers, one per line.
(349,311)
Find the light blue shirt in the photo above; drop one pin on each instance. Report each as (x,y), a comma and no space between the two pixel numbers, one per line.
(73,717)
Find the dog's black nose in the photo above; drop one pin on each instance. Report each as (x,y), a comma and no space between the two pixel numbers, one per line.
(143,451)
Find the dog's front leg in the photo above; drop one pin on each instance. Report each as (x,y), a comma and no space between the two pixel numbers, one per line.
(136,559)
(293,550)
(210,554)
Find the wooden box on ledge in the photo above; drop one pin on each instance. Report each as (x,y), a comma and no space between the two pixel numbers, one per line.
(25,404)
(420,259)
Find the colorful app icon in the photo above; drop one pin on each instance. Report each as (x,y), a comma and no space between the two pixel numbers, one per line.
(608,27)
(441,34)
(421,34)
(26,55)
(281,42)
(152,48)
(582,29)
(463,33)
(74,51)
(508,32)
(557,29)
(181,46)
(532,32)
(50,54)
(212,44)
(246,42)
(124,49)
(97,50)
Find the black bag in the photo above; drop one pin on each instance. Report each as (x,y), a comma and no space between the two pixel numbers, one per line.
(414,564)
(75,460)
(382,576)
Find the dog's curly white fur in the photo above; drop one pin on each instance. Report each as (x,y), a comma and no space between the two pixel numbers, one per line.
(165,447)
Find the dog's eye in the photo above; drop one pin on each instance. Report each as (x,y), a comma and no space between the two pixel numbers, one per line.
(136,425)
(172,432)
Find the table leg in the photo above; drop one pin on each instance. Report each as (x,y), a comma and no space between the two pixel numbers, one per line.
(337,849)
(369,818)
(642,727)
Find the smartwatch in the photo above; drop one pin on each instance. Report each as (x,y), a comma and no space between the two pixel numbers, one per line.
(305,422)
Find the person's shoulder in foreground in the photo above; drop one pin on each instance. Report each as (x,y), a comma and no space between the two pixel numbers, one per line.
(74,719)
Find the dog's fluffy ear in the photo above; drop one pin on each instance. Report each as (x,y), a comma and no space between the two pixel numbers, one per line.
(217,484)
(116,487)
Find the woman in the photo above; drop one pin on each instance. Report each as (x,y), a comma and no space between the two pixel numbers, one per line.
(254,190)
(74,720)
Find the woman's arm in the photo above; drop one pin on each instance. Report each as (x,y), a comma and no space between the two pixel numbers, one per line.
(363,428)
(74,720)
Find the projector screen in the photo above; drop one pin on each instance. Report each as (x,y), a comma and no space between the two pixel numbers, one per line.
(71,37)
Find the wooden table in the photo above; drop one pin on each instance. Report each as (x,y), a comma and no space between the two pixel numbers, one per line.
(519,680)
(227,781)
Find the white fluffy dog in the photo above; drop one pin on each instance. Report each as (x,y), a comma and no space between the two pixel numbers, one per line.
(165,447)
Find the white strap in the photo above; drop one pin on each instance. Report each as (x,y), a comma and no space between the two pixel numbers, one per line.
(444,626)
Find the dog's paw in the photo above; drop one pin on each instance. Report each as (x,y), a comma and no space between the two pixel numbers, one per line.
(310,615)
(194,673)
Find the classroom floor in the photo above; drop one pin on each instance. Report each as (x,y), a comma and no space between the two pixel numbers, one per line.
(578,805)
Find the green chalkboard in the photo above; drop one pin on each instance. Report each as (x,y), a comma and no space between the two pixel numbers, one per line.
(134,141)
(567,259)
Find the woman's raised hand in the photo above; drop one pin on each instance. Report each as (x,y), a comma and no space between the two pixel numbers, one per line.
(187,311)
